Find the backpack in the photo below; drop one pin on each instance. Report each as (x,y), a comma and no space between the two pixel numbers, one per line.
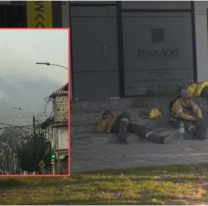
(204,92)
(170,107)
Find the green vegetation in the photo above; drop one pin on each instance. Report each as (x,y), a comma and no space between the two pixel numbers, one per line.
(175,185)
(162,93)
(30,154)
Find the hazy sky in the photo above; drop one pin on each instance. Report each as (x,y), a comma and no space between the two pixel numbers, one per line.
(22,82)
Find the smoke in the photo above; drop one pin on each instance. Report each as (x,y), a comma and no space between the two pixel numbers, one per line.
(3,95)
(22,49)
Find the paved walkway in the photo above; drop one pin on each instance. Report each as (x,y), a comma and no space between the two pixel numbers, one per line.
(139,154)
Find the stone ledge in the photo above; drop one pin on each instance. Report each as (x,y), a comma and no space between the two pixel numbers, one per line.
(85,126)
(94,138)
(162,103)
(110,138)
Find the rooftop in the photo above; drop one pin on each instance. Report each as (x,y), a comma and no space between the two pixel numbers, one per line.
(62,90)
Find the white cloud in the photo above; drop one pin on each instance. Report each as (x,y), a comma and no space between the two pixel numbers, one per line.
(20,84)
(22,49)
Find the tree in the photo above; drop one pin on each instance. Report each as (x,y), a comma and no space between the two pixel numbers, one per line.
(30,154)
(13,137)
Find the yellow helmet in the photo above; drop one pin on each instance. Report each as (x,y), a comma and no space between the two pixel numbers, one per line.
(155,113)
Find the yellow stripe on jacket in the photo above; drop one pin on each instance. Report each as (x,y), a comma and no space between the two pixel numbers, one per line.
(105,125)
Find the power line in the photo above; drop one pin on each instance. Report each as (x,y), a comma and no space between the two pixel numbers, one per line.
(51,113)
(46,106)
(26,73)
(17,117)
(22,74)
(18,126)
(39,111)
(12,113)
(47,100)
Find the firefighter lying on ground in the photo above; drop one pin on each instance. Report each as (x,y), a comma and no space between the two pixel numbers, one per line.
(122,125)
(184,109)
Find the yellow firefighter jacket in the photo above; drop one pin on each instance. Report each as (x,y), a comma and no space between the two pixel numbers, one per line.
(200,86)
(183,110)
(192,89)
(105,125)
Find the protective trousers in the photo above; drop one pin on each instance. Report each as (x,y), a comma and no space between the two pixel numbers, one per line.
(200,130)
(123,126)
(197,130)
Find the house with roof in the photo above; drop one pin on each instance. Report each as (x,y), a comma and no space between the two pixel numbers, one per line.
(57,125)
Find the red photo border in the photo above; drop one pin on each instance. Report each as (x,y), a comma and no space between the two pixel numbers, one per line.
(69,96)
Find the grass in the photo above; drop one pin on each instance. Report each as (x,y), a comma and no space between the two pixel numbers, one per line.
(162,93)
(169,185)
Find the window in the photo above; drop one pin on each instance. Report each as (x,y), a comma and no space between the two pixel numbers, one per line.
(13,16)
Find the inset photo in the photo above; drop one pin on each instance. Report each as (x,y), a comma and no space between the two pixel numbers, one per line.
(34,81)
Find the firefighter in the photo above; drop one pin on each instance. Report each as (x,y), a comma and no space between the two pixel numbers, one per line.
(184,109)
(122,125)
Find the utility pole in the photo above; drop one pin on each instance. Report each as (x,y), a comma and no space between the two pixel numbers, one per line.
(36,142)
(34,124)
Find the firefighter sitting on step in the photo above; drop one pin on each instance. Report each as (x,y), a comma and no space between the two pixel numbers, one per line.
(184,109)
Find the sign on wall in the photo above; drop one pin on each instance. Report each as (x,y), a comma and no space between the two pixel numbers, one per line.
(158,53)
(39,14)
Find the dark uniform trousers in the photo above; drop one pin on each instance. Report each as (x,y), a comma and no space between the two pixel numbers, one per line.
(196,130)
(123,125)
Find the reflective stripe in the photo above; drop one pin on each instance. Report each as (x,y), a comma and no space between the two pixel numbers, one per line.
(124,120)
(147,135)
(179,110)
(192,126)
(195,107)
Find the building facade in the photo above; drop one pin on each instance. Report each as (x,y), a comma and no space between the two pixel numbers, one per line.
(57,125)
(129,49)
(123,49)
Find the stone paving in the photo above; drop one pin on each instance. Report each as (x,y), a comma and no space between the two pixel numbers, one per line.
(90,151)
(138,154)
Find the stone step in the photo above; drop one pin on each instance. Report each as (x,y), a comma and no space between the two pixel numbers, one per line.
(93,116)
(89,127)
(121,103)
(94,138)
(148,103)
(85,114)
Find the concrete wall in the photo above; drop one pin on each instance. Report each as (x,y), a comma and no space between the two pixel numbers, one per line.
(84,116)
(201,39)
(201,36)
